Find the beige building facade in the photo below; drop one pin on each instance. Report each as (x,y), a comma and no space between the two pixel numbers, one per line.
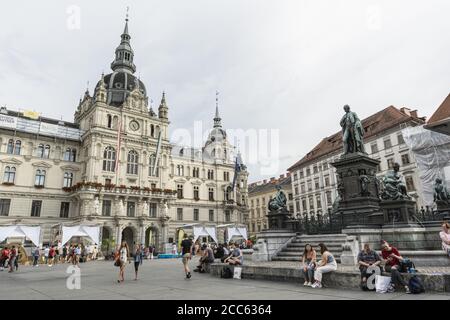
(115,166)
(259,195)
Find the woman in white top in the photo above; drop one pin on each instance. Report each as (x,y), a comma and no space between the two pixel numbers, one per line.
(445,237)
(124,253)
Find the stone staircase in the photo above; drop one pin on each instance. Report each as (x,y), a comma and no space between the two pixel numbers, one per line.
(293,251)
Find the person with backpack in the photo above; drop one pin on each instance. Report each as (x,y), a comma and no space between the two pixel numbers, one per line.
(392,259)
(36,255)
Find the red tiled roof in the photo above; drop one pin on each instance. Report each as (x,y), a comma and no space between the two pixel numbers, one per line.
(443,112)
(373,125)
(269,185)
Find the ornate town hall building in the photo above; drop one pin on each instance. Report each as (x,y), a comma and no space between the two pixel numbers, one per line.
(114,166)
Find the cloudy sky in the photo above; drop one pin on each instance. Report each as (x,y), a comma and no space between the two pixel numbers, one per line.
(284,69)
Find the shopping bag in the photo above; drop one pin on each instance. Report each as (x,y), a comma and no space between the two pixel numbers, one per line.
(382,284)
(237,272)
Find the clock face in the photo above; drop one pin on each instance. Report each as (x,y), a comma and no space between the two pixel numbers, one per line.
(134,125)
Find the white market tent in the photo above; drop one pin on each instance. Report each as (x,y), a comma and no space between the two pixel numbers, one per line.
(200,231)
(90,232)
(237,232)
(234,231)
(19,231)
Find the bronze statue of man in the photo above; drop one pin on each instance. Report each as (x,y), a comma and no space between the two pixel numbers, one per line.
(352,132)
(440,192)
(279,201)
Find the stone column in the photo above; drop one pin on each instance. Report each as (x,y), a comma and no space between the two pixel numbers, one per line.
(118,234)
(142,231)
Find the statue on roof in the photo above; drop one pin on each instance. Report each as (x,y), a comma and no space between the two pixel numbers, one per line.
(352,132)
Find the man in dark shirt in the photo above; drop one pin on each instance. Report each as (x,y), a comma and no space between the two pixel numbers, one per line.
(186,249)
(207,258)
(366,258)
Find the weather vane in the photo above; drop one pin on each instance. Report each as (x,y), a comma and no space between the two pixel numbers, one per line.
(128,9)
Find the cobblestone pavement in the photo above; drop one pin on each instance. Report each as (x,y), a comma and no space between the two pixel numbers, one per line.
(164,279)
(292,264)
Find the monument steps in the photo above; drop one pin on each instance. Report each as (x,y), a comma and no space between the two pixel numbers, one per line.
(294,250)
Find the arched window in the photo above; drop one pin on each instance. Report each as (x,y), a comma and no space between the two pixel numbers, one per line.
(40,151)
(109,159)
(109,121)
(133,162)
(18,147)
(46,154)
(152,130)
(70,154)
(213,153)
(40,178)
(10,175)
(180,191)
(68,179)
(181,152)
(10,149)
(180,170)
(196,193)
(152,165)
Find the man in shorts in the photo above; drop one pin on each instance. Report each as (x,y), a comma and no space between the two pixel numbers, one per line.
(186,249)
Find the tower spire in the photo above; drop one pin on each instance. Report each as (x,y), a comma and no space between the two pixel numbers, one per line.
(217,119)
(124,52)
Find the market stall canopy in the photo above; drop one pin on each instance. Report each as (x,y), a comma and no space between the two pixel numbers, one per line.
(237,232)
(205,231)
(91,232)
(18,231)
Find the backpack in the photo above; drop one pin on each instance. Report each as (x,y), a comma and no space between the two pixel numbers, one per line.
(407,266)
(415,286)
(226,273)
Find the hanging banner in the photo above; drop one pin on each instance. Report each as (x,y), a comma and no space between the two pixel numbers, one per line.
(47,128)
(8,122)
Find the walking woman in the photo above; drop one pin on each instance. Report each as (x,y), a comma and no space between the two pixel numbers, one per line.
(309,264)
(124,253)
(138,256)
(327,264)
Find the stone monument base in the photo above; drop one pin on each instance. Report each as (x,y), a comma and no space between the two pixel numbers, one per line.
(269,243)
(443,210)
(399,212)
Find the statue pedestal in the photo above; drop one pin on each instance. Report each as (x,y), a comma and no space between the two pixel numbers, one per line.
(443,210)
(358,190)
(269,243)
(278,220)
(399,212)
